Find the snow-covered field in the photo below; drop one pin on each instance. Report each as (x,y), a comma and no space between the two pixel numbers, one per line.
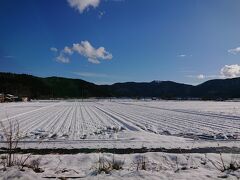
(124,123)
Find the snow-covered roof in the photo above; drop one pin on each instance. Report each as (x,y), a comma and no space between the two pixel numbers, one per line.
(10,95)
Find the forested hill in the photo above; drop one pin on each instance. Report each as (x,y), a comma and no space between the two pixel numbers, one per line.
(58,87)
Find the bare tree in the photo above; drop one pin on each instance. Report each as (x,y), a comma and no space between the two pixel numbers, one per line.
(11,138)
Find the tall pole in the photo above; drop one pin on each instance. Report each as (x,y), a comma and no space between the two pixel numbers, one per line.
(82,94)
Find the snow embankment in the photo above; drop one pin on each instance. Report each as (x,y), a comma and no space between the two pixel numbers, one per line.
(134,166)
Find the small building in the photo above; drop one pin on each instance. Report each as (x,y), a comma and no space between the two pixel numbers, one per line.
(1,98)
(10,98)
(25,99)
(154,98)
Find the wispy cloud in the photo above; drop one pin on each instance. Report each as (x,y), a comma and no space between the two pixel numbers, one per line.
(53,49)
(94,55)
(90,74)
(183,55)
(234,51)
(8,57)
(203,76)
(82,5)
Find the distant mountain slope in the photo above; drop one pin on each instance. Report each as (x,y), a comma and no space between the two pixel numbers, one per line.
(218,88)
(51,87)
(165,89)
(23,85)
(64,87)
(58,87)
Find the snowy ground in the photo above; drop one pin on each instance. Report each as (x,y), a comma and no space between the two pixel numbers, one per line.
(122,124)
(157,166)
(125,123)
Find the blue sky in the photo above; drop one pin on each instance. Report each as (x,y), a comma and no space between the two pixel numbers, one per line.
(107,41)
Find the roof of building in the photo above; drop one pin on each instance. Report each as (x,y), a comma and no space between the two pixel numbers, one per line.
(10,95)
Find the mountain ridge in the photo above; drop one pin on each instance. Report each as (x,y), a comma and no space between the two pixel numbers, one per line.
(61,87)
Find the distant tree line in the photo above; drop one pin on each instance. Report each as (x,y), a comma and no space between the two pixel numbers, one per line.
(24,85)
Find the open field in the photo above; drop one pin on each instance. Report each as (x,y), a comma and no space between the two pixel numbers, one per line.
(125,123)
(173,139)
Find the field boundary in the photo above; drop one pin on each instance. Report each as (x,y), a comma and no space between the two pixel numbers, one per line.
(232,150)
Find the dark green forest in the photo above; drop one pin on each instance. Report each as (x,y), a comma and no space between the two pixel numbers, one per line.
(57,87)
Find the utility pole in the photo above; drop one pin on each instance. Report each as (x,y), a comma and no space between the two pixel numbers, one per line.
(82,94)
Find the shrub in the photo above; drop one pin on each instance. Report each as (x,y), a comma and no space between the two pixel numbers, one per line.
(105,165)
(11,137)
(141,163)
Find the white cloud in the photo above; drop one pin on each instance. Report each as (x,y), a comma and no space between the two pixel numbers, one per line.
(90,74)
(53,49)
(228,71)
(67,50)
(62,58)
(94,61)
(201,76)
(8,57)
(81,5)
(94,55)
(182,55)
(234,51)
(231,71)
